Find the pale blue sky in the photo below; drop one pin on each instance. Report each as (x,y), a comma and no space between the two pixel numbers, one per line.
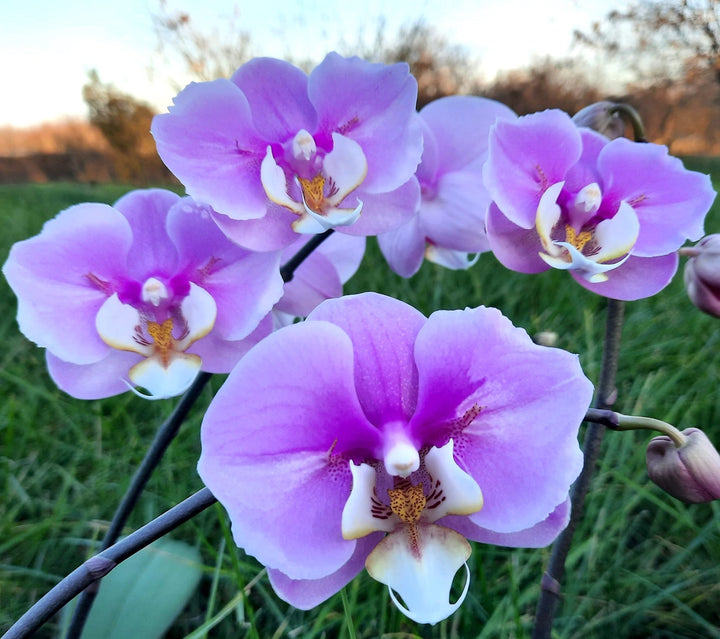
(48,46)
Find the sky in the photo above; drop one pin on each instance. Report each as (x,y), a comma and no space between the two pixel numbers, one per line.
(48,47)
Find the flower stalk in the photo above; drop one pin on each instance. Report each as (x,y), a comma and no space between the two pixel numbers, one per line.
(165,434)
(101,564)
(630,115)
(606,395)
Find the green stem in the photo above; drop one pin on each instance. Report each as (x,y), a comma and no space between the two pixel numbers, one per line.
(631,422)
(689,251)
(620,422)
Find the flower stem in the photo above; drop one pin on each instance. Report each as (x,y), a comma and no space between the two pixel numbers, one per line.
(629,114)
(287,271)
(619,422)
(101,564)
(604,399)
(165,434)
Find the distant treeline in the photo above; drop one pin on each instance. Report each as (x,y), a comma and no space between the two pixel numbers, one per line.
(84,165)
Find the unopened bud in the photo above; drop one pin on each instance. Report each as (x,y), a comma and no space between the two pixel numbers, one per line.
(702,274)
(603,118)
(690,472)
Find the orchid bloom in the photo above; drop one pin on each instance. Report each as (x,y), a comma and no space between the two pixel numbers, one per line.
(370,435)
(612,212)
(145,293)
(277,152)
(450,224)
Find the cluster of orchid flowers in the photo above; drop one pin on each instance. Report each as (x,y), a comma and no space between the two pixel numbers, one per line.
(366,435)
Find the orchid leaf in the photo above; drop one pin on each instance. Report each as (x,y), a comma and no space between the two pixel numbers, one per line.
(143,595)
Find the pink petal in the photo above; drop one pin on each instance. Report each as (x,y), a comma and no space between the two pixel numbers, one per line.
(670,201)
(272,449)
(308,593)
(285,507)
(541,534)
(277,94)
(57,302)
(373,104)
(220,355)
(382,331)
(531,400)
(209,141)
(245,291)
(270,233)
(385,211)
(637,278)
(404,248)
(344,252)
(515,247)
(152,253)
(527,156)
(244,285)
(315,281)
(455,218)
(98,380)
(460,125)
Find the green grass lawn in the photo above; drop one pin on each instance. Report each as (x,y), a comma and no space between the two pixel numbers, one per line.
(642,564)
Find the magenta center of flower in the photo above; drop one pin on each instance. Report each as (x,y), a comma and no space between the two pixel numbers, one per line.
(313,183)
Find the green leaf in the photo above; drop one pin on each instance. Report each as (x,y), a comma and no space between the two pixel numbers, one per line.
(142,596)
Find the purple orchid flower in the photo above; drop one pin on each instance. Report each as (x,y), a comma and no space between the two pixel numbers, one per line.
(277,152)
(371,435)
(613,212)
(144,293)
(450,224)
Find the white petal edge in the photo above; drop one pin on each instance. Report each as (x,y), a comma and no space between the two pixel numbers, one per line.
(346,165)
(357,517)
(423,582)
(199,310)
(449,258)
(163,382)
(618,235)
(461,492)
(547,216)
(115,323)
(314,223)
(589,269)
(275,184)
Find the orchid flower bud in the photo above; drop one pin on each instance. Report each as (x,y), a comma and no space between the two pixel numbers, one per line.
(702,274)
(689,472)
(603,118)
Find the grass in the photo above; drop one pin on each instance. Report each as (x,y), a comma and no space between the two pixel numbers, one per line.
(642,563)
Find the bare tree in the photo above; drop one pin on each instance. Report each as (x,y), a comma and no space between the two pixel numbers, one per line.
(205,56)
(659,38)
(549,83)
(440,67)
